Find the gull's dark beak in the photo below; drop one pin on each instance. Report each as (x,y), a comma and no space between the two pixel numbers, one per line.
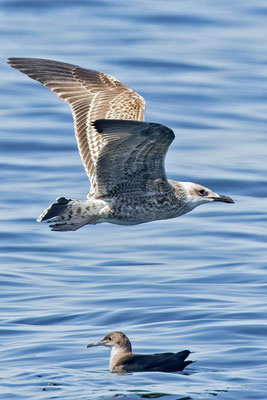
(95,344)
(224,199)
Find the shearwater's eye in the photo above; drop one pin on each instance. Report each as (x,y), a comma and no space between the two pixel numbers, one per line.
(109,338)
(203,192)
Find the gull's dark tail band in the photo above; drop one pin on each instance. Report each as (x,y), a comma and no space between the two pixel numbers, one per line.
(70,215)
(55,210)
(63,215)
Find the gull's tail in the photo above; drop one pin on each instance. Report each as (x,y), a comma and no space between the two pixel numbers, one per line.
(55,210)
(70,215)
(60,215)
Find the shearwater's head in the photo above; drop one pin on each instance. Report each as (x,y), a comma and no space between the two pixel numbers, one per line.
(114,339)
(197,194)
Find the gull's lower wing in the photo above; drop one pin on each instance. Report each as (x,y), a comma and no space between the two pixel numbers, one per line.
(132,160)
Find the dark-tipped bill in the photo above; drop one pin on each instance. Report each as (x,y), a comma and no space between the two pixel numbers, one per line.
(94,344)
(224,199)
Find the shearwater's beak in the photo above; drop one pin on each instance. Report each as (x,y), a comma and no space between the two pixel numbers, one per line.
(95,344)
(224,199)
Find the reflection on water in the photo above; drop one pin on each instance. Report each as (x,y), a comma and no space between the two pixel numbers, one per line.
(197,282)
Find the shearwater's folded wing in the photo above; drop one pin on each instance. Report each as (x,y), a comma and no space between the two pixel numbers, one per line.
(132,160)
(165,362)
(91,95)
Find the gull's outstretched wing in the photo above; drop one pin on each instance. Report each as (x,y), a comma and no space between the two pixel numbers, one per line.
(132,160)
(91,95)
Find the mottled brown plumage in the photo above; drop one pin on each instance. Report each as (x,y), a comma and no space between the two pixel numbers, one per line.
(91,95)
(122,155)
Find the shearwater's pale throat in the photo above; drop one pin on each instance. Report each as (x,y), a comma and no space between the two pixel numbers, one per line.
(122,155)
(122,359)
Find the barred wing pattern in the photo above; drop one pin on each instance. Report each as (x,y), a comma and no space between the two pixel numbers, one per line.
(91,95)
(132,161)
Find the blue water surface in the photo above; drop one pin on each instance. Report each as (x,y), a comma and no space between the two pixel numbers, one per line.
(198,282)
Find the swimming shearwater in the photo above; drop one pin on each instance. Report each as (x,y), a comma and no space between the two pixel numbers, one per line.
(123,360)
(122,155)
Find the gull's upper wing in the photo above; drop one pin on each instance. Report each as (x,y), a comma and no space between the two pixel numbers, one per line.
(91,95)
(132,160)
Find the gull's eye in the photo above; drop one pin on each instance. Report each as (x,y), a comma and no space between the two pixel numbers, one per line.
(109,338)
(203,192)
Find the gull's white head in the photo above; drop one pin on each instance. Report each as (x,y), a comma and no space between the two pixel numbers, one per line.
(197,194)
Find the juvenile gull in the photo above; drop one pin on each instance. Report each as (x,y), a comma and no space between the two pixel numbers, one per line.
(123,360)
(122,155)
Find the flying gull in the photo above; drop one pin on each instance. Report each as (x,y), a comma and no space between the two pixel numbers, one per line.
(122,155)
(123,360)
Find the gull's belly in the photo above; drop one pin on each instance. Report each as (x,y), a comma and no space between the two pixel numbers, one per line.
(142,210)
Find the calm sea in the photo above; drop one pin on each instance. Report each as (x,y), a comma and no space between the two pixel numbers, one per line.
(198,282)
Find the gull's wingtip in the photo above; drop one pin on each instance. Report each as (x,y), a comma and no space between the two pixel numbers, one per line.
(19,62)
(12,61)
